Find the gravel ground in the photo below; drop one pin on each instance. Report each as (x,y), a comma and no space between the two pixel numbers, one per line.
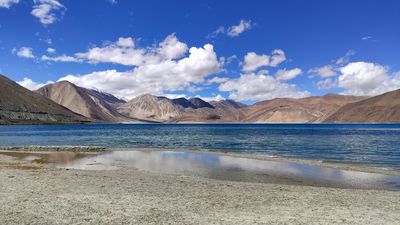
(33,194)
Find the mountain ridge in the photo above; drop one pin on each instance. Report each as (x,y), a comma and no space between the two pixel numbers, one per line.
(96,106)
(20,105)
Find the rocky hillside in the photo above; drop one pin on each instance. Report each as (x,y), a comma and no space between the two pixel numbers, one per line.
(90,103)
(228,103)
(383,108)
(223,111)
(305,110)
(20,105)
(64,102)
(151,108)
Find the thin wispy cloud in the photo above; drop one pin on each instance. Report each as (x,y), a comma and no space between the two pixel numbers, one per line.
(47,11)
(232,31)
(8,3)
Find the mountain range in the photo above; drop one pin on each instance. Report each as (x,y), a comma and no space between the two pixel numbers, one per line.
(64,102)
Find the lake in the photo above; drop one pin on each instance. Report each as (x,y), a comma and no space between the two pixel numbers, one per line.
(374,145)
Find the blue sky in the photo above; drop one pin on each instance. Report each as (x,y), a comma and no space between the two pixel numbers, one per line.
(245,50)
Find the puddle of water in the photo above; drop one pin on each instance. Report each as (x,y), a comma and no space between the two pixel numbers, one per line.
(218,167)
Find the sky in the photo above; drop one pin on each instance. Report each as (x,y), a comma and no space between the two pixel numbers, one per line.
(248,51)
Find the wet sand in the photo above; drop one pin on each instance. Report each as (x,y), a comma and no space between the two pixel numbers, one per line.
(33,193)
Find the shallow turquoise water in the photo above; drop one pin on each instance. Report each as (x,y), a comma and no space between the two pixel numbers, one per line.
(376,145)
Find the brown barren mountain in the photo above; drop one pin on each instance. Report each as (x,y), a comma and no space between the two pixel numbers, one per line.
(305,110)
(383,108)
(228,103)
(20,105)
(223,111)
(90,103)
(151,108)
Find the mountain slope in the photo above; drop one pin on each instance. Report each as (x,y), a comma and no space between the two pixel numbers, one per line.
(200,103)
(383,108)
(305,110)
(20,105)
(152,108)
(90,103)
(228,103)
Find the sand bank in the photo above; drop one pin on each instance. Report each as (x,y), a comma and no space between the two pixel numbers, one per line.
(31,193)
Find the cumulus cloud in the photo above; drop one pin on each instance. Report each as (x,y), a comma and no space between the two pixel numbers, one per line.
(257,87)
(31,85)
(23,52)
(166,67)
(155,78)
(7,3)
(328,73)
(125,52)
(47,11)
(288,74)
(232,31)
(363,78)
(172,48)
(252,61)
(323,71)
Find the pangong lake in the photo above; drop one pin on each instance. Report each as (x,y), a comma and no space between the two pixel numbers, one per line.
(372,145)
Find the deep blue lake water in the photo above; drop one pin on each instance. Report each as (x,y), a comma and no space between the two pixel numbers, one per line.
(376,145)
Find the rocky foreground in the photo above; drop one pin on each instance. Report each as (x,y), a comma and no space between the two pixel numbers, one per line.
(30,193)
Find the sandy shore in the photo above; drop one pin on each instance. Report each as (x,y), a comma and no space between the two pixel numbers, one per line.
(31,193)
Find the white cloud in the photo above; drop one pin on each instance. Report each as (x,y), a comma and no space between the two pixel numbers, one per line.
(288,74)
(366,38)
(362,78)
(218,80)
(8,3)
(327,83)
(31,85)
(46,40)
(157,69)
(323,71)
(252,61)
(327,72)
(61,58)
(232,31)
(45,10)
(125,52)
(172,48)
(211,98)
(243,25)
(346,58)
(277,57)
(23,52)
(155,78)
(125,42)
(257,87)
(122,52)
(51,50)
(214,34)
